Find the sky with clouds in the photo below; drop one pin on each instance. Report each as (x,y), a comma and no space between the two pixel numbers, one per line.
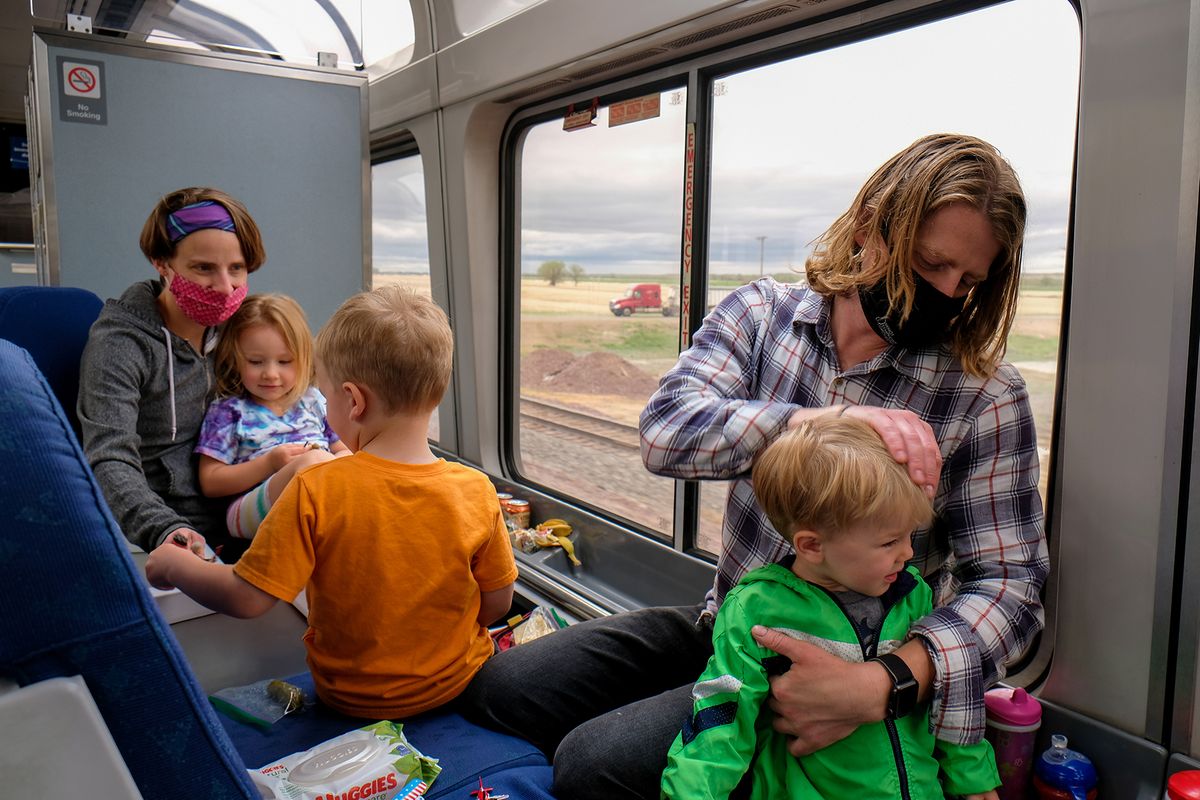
(792,143)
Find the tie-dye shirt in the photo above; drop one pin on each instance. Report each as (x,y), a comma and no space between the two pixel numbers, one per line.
(238,429)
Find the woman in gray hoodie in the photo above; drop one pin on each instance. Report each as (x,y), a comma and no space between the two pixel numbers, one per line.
(146,371)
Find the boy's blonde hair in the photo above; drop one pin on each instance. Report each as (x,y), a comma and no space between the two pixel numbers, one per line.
(928,175)
(284,315)
(393,341)
(155,240)
(831,474)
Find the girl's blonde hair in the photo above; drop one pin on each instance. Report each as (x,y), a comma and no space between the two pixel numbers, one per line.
(831,474)
(930,174)
(284,315)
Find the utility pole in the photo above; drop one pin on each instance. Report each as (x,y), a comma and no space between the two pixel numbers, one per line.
(761,240)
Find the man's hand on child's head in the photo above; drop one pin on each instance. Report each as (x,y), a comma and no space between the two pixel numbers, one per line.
(909,439)
(821,699)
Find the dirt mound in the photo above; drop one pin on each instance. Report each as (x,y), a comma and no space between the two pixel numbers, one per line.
(539,364)
(596,373)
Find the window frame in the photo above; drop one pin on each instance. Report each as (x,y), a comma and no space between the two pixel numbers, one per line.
(512,150)
(700,73)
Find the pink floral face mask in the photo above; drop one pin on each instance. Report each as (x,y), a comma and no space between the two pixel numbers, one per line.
(205,306)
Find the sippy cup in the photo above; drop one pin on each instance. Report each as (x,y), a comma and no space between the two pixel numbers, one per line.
(1184,785)
(1064,774)
(1013,718)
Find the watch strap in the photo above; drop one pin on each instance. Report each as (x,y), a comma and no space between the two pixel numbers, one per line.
(903,698)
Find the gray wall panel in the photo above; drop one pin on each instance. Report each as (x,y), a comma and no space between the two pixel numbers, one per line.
(290,145)
(1125,369)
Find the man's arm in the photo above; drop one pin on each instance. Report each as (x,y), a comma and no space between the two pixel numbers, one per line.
(822,699)
(993,515)
(702,422)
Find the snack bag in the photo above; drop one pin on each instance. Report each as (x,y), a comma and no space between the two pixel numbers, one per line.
(262,703)
(374,762)
(541,620)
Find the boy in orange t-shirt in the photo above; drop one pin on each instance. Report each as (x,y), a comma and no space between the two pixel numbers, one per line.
(404,555)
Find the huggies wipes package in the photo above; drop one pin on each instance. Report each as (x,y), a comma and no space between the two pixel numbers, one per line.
(375,762)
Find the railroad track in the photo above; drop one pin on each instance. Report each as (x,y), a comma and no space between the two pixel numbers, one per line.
(576,426)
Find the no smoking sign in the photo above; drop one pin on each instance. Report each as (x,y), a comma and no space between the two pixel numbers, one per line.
(81,95)
(81,80)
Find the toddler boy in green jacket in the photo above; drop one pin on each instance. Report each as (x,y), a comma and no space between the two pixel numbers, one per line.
(850,509)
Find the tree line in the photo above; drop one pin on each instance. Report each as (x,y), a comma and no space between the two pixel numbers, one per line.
(554,271)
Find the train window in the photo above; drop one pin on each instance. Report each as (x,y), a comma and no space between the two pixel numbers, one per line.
(474,15)
(277,29)
(598,313)
(399,235)
(794,140)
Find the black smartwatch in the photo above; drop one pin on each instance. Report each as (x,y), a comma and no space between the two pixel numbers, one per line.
(904,686)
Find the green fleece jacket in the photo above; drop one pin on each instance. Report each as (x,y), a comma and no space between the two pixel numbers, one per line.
(730,731)
(143,392)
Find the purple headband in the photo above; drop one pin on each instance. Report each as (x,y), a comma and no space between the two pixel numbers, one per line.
(197,216)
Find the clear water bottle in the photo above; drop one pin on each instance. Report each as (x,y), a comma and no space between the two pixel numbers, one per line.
(1064,774)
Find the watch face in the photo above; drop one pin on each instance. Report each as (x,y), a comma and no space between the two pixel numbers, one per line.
(903,697)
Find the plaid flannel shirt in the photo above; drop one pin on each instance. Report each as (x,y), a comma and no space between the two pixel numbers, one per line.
(766,350)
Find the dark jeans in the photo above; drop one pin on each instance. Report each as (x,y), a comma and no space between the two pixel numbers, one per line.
(604,698)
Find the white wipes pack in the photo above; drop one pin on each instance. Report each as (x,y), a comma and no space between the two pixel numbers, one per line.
(374,762)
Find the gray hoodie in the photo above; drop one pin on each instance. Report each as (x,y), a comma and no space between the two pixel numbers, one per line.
(142,396)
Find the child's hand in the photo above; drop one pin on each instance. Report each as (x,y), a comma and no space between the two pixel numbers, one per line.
(992,795)
(164,558)
(283,454)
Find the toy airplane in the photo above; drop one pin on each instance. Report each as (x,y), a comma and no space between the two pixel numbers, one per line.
(485,793)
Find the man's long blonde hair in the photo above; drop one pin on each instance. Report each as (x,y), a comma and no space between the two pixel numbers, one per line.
(932,173)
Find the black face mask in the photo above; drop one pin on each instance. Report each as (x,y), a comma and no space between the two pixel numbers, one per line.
(928,324)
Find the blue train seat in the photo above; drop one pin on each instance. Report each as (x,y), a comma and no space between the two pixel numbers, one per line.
(52,323)
(75,604)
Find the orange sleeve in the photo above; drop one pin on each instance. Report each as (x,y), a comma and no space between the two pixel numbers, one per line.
(281,557)
(493,564)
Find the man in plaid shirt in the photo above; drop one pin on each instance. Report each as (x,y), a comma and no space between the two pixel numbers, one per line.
(913,292)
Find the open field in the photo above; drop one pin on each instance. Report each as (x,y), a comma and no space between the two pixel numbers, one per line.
(575,319)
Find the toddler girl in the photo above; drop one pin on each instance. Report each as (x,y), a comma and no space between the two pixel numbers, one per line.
(269,420)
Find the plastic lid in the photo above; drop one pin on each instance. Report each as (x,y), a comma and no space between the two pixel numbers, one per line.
(1063,768)
(337,760)
(1184,785)
(1013,706)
